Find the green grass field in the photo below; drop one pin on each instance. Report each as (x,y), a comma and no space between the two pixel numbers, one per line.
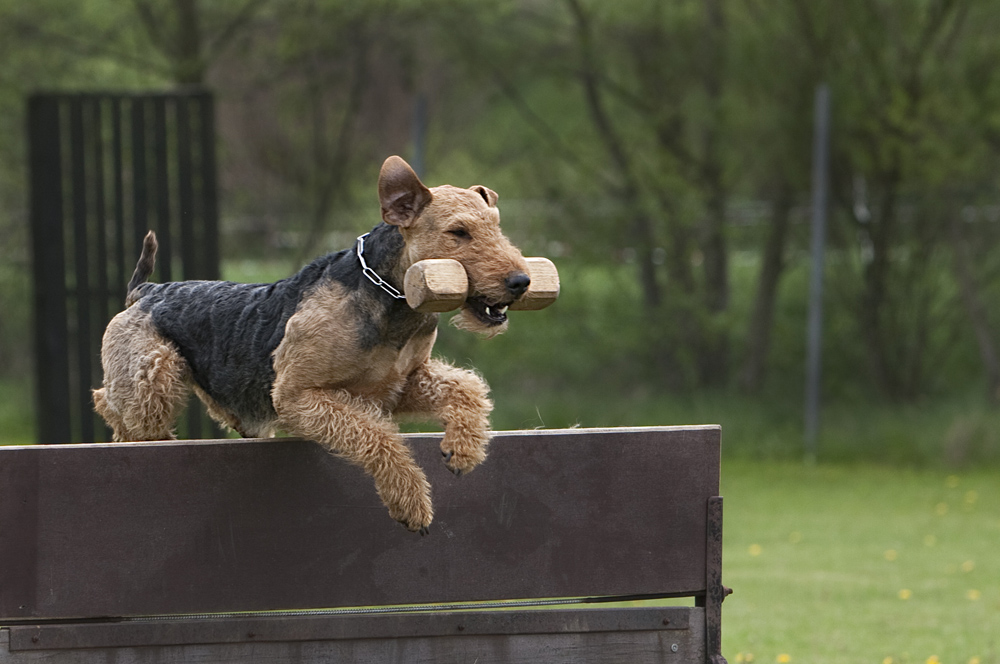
(860,564)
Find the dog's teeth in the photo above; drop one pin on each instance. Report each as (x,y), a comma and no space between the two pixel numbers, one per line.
(503,310)
(488,312)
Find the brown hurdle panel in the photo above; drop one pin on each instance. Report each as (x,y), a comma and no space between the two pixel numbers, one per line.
(228,550)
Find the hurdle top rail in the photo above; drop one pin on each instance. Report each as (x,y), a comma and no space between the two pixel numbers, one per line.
(230,550)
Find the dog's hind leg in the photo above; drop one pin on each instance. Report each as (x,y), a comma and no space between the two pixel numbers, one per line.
(145,379)
(111,416)
(361,432)
(459,399)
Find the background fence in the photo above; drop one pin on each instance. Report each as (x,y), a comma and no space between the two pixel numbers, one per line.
(105,168)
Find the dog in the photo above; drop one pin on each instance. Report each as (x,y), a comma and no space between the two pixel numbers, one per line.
(331,353)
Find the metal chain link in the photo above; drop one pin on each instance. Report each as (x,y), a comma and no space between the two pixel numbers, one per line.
(372,274)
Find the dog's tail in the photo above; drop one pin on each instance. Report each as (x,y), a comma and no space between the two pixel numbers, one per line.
(144,268)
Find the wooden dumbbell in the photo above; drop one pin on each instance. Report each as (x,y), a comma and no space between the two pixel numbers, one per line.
(440,284)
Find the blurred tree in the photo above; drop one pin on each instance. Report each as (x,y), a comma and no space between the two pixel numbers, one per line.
(634,134)
(190,34)
(897,74)
(778,69)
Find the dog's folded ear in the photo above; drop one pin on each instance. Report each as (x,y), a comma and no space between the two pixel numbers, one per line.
(491,197)
(402,195)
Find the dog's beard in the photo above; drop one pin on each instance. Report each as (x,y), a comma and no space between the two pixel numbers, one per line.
(466,320)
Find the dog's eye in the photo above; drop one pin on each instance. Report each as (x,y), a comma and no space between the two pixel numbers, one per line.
(460,233)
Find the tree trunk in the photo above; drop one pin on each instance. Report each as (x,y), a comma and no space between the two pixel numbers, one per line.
(713,360)
(968,289)
(189,65)
(874,298)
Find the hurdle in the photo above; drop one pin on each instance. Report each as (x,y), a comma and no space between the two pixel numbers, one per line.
(564,546)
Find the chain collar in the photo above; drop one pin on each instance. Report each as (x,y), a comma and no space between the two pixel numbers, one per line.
(372,274)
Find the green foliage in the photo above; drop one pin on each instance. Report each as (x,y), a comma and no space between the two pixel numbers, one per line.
(650,148)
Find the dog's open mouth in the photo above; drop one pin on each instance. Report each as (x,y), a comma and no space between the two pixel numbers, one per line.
(489,314)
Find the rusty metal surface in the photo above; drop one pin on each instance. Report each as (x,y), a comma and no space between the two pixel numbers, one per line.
(160,528)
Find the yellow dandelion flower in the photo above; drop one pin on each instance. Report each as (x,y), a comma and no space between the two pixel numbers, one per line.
(783,658)
(968,566)
(952,481)
(941,509)
(905,594)
(755,550)
(973,595)
(888,660)
(971,497)
(749,657)
(739,658)
(891,555)
(930,540)
(974,660)
(933,659)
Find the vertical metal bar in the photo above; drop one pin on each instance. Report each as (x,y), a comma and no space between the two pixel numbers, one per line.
(140,184)
(102,297)
(814,334)
(210,200)
(190,267)
(161,183)
(205,171)
(190,264)
(49,267)
(100,212)
(117,176)
(81,260)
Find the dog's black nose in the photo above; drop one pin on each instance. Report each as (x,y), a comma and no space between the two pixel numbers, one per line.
(517,283)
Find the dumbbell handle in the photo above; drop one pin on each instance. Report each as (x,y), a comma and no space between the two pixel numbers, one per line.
(440,284)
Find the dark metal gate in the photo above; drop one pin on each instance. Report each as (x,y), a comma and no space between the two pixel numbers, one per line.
(105,168)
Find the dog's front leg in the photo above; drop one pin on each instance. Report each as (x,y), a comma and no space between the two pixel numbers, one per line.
(359,431)
(460,400)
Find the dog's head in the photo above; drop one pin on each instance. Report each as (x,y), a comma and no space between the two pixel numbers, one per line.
(463,225)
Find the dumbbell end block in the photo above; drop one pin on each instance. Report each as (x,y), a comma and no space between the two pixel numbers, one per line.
(435,285)
(544,288)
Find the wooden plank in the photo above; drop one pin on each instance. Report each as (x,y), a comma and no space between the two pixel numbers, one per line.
(576,647)
(346,627)
(715,592)
(191,527)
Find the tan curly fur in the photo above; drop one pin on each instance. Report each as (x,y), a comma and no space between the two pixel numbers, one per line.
(145,379)
(329,385)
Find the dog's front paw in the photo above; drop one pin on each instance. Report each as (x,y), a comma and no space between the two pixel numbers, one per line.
(463,453)
(408,498)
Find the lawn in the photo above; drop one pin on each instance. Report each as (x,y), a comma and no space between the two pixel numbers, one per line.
(860,564)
